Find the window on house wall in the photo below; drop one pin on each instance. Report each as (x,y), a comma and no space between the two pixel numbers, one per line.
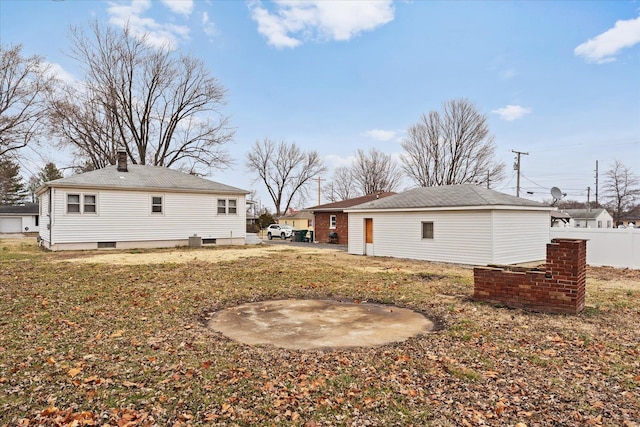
(332,221)
(427,230)
(89,201)
(599,224)
(73,203)
(227,207)
(156,204)
(608,224)
(37,220)
(222,206)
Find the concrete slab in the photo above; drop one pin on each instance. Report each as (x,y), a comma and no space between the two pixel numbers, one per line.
(311,324)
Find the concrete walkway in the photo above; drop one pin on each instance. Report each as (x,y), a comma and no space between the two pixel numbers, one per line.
(311,324)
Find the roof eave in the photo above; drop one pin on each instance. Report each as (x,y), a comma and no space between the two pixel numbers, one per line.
(455,208)
(163,189)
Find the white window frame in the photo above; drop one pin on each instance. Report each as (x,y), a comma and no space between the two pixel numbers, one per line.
(153,204)
(82,198)
(94,204)
(79,203)
(333,222)
(227,206)
(429,235)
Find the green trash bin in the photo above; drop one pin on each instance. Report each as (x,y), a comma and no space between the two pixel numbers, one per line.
(299,235)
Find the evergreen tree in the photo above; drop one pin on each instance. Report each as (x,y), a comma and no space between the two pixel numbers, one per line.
(12,188)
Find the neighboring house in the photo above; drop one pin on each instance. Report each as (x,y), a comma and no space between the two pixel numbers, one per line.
(559,219)
(139,206)
(592,218)
(19,219)
(298,220)
(463,224)
(332,218)
(631,217)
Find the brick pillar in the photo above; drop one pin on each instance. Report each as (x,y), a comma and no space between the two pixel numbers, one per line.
(567,266)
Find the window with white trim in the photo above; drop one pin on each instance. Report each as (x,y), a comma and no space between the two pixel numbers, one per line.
(157,205)
(427,230)
(89,203)
(79,203)
(73,203)
(227,207)
(332,221)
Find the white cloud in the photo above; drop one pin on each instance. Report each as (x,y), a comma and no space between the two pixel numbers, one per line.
(56,70)
(381,135)
(184,7)
(295,21)
(605,46)
(335,161)
(512,112)
(158,35)
(208,27)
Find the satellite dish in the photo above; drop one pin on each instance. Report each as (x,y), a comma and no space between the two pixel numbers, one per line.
(557,194)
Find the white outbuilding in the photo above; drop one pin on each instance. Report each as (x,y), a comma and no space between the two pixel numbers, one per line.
(139,206)
(464,224)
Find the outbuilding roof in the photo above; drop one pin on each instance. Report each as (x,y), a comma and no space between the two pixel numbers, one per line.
(448,196)
(142,177)
(344,204)
(26,209)
(584,214)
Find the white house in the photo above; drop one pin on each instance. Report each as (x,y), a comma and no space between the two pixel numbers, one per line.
(19,219)
(463,224)
(139,206)
(592,218)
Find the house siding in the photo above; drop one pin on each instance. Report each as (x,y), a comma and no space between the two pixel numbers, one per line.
(459,237)
(476,237)
(520,236)
(125,216)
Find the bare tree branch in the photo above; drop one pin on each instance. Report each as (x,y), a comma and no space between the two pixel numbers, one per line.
(621,189)
(342,186)
(161,107)
(284,169)
(452,147)
(375,172)
(24,84)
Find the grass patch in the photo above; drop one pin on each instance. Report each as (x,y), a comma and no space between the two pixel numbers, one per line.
(117,343)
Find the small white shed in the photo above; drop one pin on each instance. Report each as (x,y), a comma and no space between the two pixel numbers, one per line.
(139,206)
(463,224)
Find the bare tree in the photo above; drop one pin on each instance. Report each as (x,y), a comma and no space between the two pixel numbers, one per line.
(24,84)
(342,186)
(375,172)
(161,107)
(621,189)
(452,147)
(284,169)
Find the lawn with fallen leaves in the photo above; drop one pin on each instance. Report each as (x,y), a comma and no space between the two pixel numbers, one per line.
(120,338)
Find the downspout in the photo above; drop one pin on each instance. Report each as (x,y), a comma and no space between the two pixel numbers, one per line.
(50,218)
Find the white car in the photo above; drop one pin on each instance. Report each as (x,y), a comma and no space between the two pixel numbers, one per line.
(281,231)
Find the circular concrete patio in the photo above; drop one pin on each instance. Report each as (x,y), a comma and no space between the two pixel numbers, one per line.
(312,324)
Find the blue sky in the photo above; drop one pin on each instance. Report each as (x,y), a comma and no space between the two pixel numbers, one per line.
(559,80)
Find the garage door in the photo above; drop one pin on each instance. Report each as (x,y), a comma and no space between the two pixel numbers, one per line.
(10,225)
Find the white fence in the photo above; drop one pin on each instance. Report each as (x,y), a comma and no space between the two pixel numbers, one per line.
(606,246)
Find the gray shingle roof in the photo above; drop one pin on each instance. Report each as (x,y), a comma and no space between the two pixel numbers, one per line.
(142,177)
(26,209)
(582,213)
(448,196)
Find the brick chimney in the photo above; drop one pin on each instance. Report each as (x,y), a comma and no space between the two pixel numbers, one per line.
(122,161)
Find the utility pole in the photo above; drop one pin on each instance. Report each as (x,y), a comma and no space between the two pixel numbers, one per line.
(516,167)
(586,220)
(596,183)
(488,177)
(319,179)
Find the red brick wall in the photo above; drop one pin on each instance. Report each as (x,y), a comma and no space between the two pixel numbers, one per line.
(322,227)
(560,288)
